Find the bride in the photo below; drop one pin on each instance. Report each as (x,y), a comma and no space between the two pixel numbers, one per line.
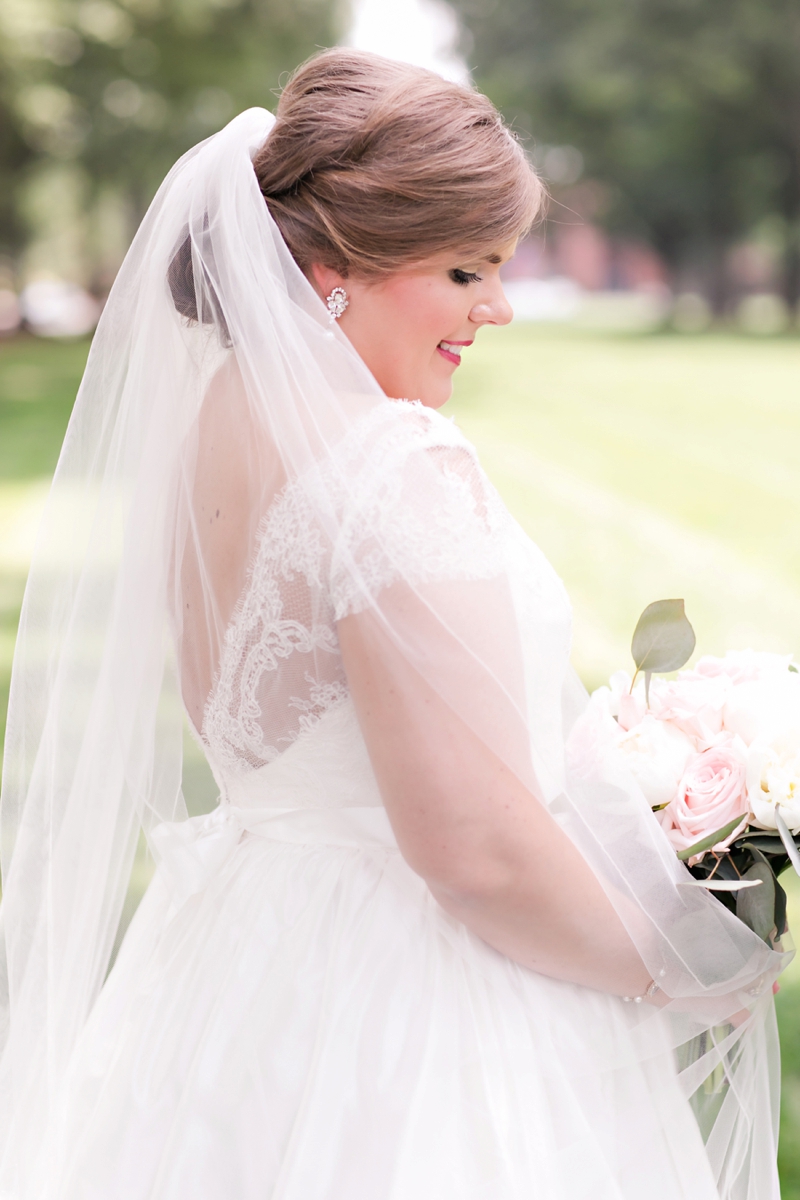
(393,963)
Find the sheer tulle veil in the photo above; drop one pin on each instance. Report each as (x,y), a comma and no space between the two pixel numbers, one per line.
(133,585)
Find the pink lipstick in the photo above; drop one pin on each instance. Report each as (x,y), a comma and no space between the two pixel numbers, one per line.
(446,349)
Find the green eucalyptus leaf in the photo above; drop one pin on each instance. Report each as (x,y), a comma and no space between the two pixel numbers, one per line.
(721,885)
(766,843)
(756,906)
(787,839)
(663,639)
(707,842)
(721,868)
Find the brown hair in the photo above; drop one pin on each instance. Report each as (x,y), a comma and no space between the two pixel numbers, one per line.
(374,164)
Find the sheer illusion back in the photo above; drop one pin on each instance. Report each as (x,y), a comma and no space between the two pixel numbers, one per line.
(270,670)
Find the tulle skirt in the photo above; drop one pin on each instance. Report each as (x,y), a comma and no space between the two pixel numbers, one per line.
(309,1025)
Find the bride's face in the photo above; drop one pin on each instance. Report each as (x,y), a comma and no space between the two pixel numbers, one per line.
(411,328)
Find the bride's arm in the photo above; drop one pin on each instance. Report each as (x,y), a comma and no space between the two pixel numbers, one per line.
(490,852)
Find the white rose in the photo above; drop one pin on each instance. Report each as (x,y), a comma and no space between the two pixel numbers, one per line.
(773,779)
(656,754)
(602,700)
(763,708)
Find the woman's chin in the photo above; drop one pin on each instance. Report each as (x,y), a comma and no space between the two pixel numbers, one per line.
(437,393)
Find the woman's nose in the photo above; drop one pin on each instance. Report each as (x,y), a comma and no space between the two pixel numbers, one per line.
(493,309)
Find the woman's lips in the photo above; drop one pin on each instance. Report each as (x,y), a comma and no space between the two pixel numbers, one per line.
(446,350)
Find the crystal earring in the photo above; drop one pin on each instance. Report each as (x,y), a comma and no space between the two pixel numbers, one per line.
(337,302)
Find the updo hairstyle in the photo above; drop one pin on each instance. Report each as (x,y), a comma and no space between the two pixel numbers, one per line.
(373,165)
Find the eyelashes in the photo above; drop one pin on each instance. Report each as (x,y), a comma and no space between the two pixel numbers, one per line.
(464,277)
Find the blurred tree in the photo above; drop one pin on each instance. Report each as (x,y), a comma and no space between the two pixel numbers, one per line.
(15,154)
(115,92)
(689,110)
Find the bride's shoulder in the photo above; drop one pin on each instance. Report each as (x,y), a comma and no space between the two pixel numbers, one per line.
(404,449)
(415,505)
(424,425)
(402,434)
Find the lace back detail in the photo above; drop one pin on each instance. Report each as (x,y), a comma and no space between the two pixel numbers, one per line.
(411,502)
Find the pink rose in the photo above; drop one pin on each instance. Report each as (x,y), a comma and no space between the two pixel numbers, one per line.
(712,791)
(626,708)
(694,705)
(740,666)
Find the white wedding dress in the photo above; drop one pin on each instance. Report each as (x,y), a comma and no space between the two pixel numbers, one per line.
(292,1016)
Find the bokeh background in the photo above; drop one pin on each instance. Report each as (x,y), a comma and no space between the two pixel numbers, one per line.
(642,414)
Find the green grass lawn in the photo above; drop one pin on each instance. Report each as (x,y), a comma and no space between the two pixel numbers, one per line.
(645,467)
(38,381)
(649,467)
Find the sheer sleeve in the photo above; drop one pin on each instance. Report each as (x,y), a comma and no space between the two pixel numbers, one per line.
(417,508)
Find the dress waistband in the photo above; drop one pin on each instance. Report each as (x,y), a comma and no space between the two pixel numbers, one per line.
(190,852)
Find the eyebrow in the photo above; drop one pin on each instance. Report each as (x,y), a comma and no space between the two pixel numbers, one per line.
(494,258)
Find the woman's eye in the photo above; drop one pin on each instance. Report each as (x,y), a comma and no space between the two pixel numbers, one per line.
(463,277)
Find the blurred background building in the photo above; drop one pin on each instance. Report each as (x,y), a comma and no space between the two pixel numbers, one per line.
(668,133)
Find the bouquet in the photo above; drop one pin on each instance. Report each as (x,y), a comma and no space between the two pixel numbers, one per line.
(716,752)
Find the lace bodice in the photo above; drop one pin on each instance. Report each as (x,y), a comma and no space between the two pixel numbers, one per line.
(410,501)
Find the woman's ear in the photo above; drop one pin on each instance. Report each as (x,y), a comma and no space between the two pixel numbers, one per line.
(325,279)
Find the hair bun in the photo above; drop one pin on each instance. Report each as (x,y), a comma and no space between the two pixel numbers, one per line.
(182,285)
(373,165)
(180,277)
